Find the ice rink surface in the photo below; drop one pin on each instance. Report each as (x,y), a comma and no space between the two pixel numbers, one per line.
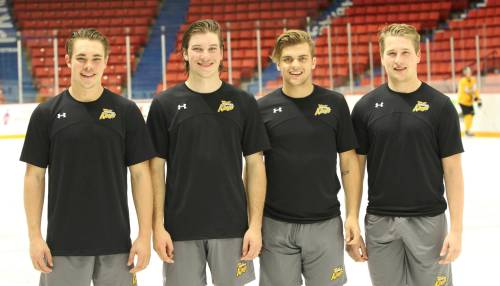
(476,265)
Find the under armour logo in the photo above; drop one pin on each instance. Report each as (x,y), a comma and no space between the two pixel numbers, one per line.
(381,104)
(61,115)
(276,110)
(182,106)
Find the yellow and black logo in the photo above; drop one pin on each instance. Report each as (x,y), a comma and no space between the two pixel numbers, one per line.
(421,106)
(322,109)
(107,114)
(225,105)
(241,268)
(441,280)
(134,280)
(337,273)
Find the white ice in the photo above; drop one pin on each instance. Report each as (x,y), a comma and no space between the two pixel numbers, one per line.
(476,265)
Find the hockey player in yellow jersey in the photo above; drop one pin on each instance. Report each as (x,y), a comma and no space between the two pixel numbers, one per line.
(467,94)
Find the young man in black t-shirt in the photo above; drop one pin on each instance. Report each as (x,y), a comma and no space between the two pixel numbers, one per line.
(307,126)
(87,136)
(409,135)
(201,128)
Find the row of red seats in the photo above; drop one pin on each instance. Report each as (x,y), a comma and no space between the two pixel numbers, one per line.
(229,7)
(393,2)
(252,25)
(339,27)
(442,7)
(427,19)
(115,13)
(475,22)
(252,16)
(319,3)
(443,44)
(107,31)
(61,41)
(28,5)
(485,13)
(91,22)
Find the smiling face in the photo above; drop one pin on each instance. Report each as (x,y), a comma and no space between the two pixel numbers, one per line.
(204,55)
(87,64)
(296,64)
(400,59)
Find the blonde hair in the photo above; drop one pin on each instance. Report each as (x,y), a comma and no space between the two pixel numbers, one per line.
(87,34)
(399,30)
(201,27)
(291,38)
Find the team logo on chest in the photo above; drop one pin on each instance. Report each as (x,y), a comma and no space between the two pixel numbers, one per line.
(421,106)
(107,114)
(337,273)
(441,280)
(322,109)
(241,268)
(61,115)
(225,105)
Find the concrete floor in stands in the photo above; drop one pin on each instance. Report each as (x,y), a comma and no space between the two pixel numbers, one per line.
(475,266)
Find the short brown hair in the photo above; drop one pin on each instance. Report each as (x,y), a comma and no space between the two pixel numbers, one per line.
(399,30)
(88,34)
(201,27)
(291,38)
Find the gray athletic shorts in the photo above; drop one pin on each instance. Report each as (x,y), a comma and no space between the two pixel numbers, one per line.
(223,257)
(103,270)
(315,250)
(405,250)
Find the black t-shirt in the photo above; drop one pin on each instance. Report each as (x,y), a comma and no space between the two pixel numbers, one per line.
(305,134)
(87,148)
(405,136)
(203,137)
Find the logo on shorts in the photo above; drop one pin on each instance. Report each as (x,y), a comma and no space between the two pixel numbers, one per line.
(134,280)
(225,106)
(421,106)
(337,273)
(322,109)
(107,114)
(441,280)
(241,268)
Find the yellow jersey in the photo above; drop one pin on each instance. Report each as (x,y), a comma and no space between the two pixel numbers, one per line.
(467,91)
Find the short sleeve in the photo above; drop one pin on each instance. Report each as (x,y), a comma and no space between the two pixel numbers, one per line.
(138,142)
(255,137)
(158,128)
(346,140)
(36,148)
(360,129)
(449,139)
